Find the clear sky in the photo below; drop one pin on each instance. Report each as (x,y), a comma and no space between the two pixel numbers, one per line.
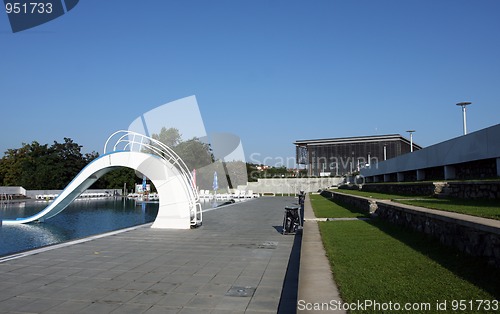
(269,71)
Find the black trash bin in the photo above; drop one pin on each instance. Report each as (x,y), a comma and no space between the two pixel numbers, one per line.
(291,219)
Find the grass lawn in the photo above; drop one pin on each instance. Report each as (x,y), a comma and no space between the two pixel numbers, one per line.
(374,260)
(326,208)
(481,208)
(380,196)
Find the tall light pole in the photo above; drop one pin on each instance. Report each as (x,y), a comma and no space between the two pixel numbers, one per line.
(463,105)
(411,139)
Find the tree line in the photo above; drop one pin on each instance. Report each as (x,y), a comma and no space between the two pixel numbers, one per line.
(36,166)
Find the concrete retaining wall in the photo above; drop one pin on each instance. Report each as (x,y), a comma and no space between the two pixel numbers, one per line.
(292,185)
(363,203)
(473,190)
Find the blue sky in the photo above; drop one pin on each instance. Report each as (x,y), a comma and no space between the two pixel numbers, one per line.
(269,71)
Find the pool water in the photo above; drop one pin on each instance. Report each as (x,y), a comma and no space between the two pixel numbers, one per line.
(82,218)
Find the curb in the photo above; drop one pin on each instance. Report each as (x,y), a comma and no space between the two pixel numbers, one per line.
(317,291)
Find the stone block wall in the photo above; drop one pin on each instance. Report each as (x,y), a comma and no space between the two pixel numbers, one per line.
(421,189)
(365,204)
(466,189)
(473,190)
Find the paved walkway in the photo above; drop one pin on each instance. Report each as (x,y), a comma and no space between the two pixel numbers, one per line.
(317,289)
(236,262)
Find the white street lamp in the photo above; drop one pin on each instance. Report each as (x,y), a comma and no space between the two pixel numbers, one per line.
(463,105)
(411,139)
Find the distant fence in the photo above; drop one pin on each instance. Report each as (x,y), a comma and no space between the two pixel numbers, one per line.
(292,185)
(33,193)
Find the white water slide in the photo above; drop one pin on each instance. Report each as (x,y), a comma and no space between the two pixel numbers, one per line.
(179,206)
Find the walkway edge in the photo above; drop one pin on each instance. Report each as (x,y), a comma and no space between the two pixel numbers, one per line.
(51,247)
(318,291)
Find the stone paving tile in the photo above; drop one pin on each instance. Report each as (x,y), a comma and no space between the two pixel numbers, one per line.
(121,296)
(158,309)
(148,297)
(161,271)
(175,299)
(214,289)
(233,303)
(14,303)
(68,307)
(132,308)
(100,308)
(39,305)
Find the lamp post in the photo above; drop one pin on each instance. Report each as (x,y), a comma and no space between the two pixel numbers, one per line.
(463,105)
(411,139)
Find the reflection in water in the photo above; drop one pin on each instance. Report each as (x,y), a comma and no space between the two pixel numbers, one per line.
(82,218)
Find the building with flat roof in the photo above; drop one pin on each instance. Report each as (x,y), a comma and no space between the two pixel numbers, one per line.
(467,157)
(341,156)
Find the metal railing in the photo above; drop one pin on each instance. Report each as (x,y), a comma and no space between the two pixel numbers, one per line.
(133,141)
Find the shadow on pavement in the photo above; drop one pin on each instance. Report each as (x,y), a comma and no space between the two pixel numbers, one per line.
(289,292)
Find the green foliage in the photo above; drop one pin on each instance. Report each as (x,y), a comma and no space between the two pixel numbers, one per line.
(251,171)
(482,208)
(198,155)
(36,166)
(193,152)
(117,178)
(327,208)
(378,261)
(170,137)
(256,171)
(376,195)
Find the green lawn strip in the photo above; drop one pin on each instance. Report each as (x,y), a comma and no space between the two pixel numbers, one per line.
(326,208)
(379,196)
(378,261)
(481,208)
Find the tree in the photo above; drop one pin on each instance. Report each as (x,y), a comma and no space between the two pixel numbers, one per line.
(70,161)
(193,152)
(170,137)
(36,166)
(116,178)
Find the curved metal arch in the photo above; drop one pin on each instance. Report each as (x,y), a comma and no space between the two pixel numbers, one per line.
(132,141)
(126,140)
(165,168)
